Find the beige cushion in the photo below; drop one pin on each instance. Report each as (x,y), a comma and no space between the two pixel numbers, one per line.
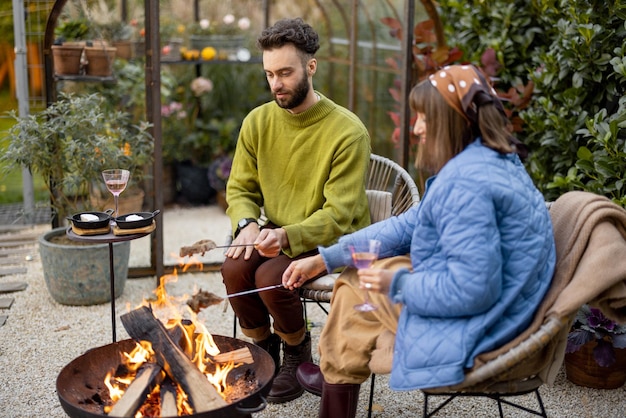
(380,204)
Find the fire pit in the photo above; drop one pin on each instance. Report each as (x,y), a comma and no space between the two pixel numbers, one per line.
(82,391)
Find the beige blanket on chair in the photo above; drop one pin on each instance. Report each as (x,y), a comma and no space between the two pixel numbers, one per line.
(590,237)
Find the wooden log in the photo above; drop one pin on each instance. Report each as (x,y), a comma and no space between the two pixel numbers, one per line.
(168,399)
(240,355)
(148,376)
(177,333)
(141,324)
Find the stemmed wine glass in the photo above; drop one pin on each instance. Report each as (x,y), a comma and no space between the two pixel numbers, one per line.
(116,180)
(364,253)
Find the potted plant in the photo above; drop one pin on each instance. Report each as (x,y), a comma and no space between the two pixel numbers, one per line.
(68,46)
(120,34)
(596,350)
(197,129)
(69,144)
(210,141)
(219,171)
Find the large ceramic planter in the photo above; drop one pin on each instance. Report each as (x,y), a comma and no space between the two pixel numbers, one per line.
(582,369)
(77,273)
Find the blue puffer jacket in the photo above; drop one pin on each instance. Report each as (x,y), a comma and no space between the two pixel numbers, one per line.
(482,251)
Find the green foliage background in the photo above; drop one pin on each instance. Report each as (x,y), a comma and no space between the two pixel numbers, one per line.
(574,53)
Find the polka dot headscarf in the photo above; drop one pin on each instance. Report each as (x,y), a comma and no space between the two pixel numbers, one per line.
(465,89)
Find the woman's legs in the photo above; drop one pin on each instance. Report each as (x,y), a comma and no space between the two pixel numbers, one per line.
(349,336)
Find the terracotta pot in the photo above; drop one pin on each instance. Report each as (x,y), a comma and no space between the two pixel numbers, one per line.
(582,369)
(100,60)
(66,59)
(124,49)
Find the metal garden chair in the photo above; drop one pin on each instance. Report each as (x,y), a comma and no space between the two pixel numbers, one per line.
(390,192)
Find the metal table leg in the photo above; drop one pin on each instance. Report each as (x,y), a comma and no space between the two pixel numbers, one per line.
(112,274)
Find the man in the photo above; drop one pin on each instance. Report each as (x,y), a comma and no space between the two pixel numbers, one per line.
(300,161)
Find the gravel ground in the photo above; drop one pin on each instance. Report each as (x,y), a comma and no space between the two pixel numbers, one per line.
(40,337)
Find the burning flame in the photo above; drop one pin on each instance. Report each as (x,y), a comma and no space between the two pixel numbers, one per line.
(196,342)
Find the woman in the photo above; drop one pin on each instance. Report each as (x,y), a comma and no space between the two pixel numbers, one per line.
(481,255)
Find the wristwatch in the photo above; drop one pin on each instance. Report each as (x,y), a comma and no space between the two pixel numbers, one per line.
(243,223)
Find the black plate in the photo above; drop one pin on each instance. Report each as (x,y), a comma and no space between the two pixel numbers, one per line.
(148,217)
(103,220)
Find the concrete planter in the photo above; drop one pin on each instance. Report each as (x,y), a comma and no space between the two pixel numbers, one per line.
(78,273)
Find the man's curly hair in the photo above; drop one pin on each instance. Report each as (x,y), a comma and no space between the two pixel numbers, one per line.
(290,31)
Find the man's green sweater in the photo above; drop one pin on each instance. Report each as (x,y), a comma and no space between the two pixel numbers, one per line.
(307,171)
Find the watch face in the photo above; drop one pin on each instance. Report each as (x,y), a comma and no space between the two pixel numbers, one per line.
(245,222)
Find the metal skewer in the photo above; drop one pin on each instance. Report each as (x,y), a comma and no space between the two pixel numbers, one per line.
(247,292)
(234,245)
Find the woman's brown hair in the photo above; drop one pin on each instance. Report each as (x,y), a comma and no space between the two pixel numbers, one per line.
(448,132)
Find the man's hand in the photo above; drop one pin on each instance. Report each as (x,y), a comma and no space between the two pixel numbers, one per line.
(302,270)
(270,242)
(248,235)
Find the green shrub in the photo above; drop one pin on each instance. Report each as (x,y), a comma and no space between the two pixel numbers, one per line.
(572,54)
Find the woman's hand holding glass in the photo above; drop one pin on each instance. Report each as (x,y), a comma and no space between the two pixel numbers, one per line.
(364,253)
(375,280)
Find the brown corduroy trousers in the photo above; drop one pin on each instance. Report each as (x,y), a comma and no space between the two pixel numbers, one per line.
(254,310)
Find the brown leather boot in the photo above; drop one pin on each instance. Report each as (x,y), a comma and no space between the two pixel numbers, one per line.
(339,401)
(286,387)
(272,346)
(310,377)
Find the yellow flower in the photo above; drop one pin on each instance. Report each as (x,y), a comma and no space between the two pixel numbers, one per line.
(127,151)
(208,53)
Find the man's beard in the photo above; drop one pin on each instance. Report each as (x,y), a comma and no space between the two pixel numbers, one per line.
(298,96)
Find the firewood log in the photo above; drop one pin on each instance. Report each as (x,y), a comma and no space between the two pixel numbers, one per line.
(148,376)
(141,324)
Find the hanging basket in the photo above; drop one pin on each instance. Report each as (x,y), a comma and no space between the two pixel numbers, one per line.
(582,369)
